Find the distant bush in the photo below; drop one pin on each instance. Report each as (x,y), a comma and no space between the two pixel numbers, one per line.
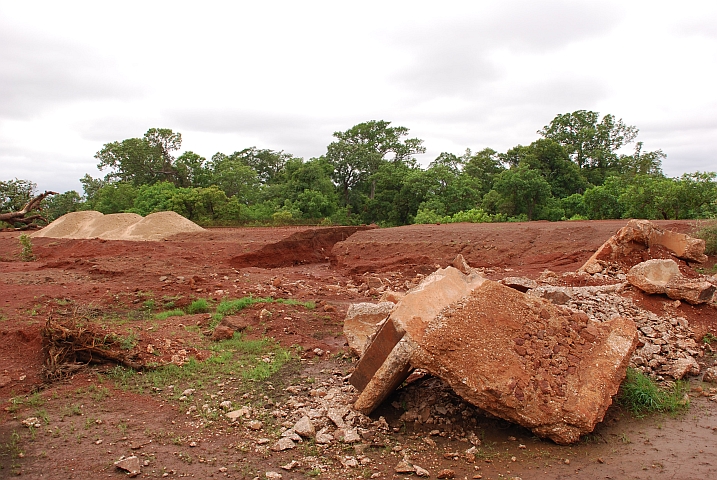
(708,233)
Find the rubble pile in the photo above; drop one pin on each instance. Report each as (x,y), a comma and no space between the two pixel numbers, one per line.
(666,345)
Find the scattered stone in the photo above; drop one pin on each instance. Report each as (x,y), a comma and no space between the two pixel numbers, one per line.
(225,405)
(304,427)
(404,466)
(351,436)
(284,443)
(421,472)
(291,465)
(33,422)
(663,276)
(446,473)
(273,475)
(461,265)
(323,437)
(255,425)
(188,392)
(710,375)
(130,465)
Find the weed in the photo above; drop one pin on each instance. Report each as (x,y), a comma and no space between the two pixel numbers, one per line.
(26,255)
(708,338)
(149,304)
(641,395)
(198,306)
(122,427)
(128,342)
(169,313)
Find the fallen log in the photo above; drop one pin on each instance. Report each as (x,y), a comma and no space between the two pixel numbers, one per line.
(21,216)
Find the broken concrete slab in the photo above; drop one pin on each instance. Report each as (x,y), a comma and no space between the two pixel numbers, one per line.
(362,322)
(639,235)
(663,276)
(515,356)
(385,363)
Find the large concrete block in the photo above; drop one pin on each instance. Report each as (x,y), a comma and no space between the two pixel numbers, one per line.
(516,356)
(663,276)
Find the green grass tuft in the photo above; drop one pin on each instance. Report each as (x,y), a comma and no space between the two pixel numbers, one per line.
(169,313)
(198,306)
(642,396)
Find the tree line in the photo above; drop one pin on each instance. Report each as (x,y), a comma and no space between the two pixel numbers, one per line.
(369,174)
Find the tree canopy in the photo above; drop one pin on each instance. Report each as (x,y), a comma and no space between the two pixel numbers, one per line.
(577,168)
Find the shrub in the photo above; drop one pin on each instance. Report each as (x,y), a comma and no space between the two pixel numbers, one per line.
(26,243)
(708,233)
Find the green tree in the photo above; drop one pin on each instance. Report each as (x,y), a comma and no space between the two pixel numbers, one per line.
(113,198)
(591,141)
(602,201)
(61,204)
(142,161)
(551,160)
(358,153)
(484,165)
(14,194)
(525,189)
(192,170)
(237,179)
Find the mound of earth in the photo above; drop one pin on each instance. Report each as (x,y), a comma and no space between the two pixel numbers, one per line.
(118,226)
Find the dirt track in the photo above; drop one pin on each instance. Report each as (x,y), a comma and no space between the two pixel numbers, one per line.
(119,276)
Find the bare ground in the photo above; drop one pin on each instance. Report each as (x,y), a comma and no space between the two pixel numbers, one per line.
(89,420)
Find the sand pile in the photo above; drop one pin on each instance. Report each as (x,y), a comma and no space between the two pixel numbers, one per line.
(118,226)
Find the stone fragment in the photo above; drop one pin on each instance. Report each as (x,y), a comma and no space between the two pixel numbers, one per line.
(421,472)
(362,322)
(323,437)
(273,475)
(284,443)
(391,296)
(304,427)
(291,465)
(404,466)
(130,465)
(710,375)
(683,366)
(351,436)
(446,473)
(639,235)
(663,276)
(222,332)
(522,284)
(460,263)
(236,414)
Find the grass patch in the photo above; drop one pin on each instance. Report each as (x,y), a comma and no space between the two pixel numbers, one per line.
(200,305)
(238,356)
(169,313)
(640,395)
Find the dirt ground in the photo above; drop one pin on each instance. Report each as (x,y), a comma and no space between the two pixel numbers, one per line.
(90,420)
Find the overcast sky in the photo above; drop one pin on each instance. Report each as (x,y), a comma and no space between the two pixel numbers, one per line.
(285,75)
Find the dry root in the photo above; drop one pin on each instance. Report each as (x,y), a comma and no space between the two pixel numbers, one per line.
(72,344)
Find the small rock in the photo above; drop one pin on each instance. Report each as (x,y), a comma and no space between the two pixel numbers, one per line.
(283,444)
(273,475)
(304,427)
(446,473)
(404,466)
(351,436)
(130,465)
(226,405)
(421,472)
(291,465)
(710,375)
(188,392)
(255,425)
(32,422)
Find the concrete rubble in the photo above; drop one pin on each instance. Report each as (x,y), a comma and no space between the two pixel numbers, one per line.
(515,356)
(663,276)
(639,235)
(663,340)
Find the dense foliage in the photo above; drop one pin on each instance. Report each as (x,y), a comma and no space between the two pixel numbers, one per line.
(369,174)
